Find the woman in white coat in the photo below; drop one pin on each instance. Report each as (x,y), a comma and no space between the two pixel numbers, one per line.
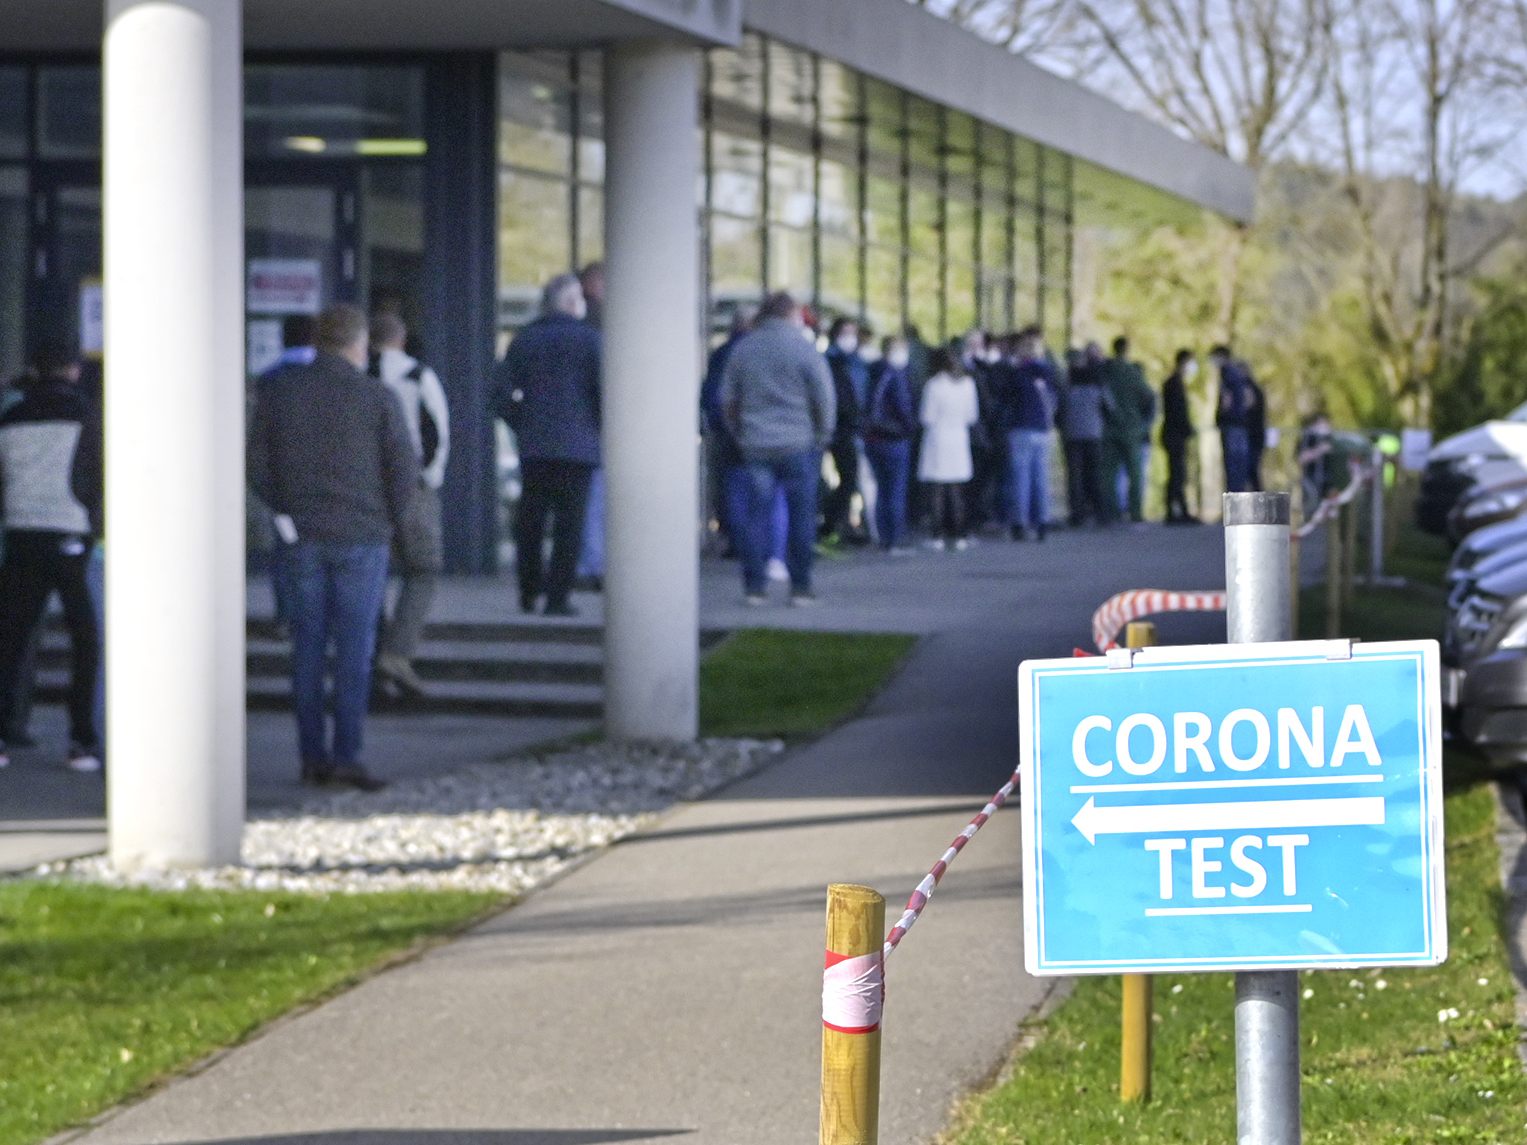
(950,407)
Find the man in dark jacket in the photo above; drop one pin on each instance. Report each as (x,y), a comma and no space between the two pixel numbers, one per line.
(50,523)
(330,453)
(1176,432)
(729,477)
(1029,399)
(851,383)
(547,390)
(1237,410)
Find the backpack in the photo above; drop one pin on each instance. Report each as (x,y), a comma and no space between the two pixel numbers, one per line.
(429,431)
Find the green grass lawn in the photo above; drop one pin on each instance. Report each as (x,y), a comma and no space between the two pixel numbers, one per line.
(1379,1062)
(765,683)
(105,992)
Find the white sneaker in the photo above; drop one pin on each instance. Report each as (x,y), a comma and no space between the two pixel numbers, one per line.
(83,761)
(755,600)
(962,544)
(936,545)
(777,569)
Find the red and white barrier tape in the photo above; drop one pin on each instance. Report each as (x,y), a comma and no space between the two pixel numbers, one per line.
(1118,610)
(930,882)
(853,992)
(1332,502)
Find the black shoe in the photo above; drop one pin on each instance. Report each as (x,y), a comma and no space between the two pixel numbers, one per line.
(315,774)
(21,739)
(528,605)
(353,775)
(1018,533)
(1039,532)
(561,608)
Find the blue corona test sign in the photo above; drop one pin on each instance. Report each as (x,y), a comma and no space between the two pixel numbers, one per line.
(1233,807)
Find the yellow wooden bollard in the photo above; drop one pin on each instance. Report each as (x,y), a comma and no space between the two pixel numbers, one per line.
(1135,1050)
(1333,575)
(851,1054)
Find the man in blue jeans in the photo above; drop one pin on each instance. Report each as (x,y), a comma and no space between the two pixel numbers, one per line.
(329,452)
(1029,396)
(778,403)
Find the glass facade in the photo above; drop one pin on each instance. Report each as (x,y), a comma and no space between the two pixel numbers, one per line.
(870,202)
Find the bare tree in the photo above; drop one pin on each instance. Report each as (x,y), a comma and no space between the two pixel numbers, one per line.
(1041,28)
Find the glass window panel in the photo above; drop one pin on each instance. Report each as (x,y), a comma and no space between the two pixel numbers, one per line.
(1026,265)
(792,85)
(882,110)
(737,74)
(392,263)
(535,113)
(736,175)
(924,138)
(791,265)
(960,295)
(13,270)
(959,144)
(995,193)
(925,284)
(792,187)
(839,207)
(994,300)
(736,266)
(15,113)
(840,277)
(591,117)
(960,222)
(534,240)
(839,96)
(882,222)
(883,289)
(69,112)
(590,225)
(341,111)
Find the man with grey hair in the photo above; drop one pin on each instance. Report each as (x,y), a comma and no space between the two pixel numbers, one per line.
(418,551)
(546,389)
(329,453)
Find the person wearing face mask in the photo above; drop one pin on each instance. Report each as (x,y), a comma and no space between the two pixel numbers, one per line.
(546,388)
(890,424)
(850,381)
(1176,432)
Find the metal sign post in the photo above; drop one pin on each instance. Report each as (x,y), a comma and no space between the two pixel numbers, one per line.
(1266,1001)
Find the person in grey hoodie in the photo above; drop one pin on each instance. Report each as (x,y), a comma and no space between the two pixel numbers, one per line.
(778,403)
(1083,416)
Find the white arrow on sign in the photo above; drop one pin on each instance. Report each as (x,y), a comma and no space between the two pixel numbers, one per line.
(1170,818)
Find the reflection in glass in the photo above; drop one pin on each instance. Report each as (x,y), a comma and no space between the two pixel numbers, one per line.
(792,187)
(882,289)
(840,277)
(791,266)
(736,175)
(333,110)
(736,266)
(925,286)
(13,270)
(392,259)
(536,113)
(14,113)
(590,225)
(534,241)
(69,112)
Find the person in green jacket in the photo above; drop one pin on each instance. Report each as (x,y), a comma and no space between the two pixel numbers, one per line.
(1129,421)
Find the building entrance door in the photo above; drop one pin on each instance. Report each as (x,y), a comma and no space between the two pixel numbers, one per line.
(301,242)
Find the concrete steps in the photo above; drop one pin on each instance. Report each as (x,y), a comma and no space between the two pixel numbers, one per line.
(515,669)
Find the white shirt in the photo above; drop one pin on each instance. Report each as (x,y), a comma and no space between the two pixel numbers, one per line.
(395,366)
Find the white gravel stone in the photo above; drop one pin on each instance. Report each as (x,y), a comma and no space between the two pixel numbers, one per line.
(501,827)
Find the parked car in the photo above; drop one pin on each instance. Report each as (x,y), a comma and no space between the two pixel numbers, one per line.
(1462,582)
(1487,505)
(1485,455)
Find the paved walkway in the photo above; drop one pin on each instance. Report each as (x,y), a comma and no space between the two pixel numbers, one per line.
(670,989)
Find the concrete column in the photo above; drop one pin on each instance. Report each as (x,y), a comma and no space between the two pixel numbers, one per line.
(174,265)
(651,391)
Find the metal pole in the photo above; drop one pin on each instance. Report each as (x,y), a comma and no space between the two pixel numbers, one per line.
(1266,1001)
(1376,525)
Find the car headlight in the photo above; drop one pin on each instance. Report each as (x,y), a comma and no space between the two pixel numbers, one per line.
(1516,634)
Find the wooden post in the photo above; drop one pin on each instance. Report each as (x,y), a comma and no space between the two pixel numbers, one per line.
(1333,576)
(1349,552)
(1135,1048)
(851,1061)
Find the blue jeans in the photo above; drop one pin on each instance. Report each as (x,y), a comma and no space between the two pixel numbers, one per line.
(335,593)
(796,475)
(1237,447)
(1029,478)
(891,462)
(591,556)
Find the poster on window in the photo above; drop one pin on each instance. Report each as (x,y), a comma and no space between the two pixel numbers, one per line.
(264,345)
(92,319)
(284,286)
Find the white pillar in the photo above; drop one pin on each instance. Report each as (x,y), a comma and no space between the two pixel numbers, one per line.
(173,182)
(651,391)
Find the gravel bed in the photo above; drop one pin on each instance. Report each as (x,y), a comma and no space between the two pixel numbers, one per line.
(500,827)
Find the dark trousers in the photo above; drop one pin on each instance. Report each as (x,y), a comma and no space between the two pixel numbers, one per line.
(1084,482)
(892,463)
(36,565)
(835,508)
(559,490)
(1176,479)
(948,509)
(1123,453)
